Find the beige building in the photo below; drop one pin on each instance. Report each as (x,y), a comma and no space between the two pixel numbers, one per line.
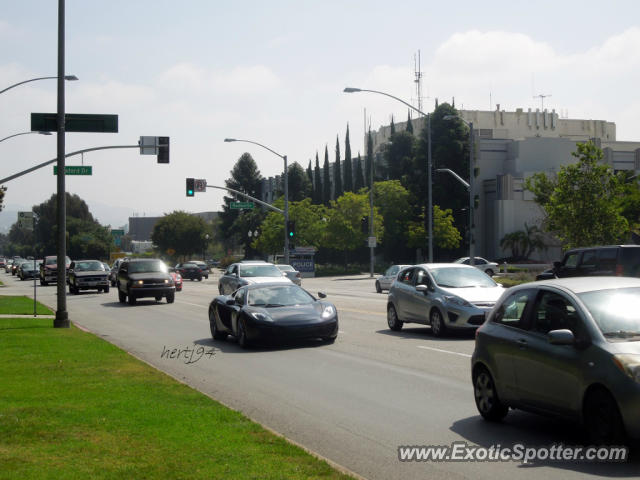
(511,146)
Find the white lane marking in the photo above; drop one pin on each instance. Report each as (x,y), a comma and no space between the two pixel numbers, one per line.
(341,331)
(194,304)
(445,351)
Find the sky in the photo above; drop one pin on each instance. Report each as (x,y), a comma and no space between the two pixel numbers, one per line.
(274,73)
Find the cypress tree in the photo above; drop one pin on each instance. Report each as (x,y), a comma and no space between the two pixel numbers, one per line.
(337,172)
(409,124)
(326,179)
(310,177)
(358,182)
(369,159)
(317,184)
(392,127)
(348,169)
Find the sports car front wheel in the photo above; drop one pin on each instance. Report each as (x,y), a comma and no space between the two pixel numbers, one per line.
(242,334)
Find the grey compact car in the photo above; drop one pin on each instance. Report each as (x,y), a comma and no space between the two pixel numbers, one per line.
(384,282)
(249,272)
(568,347)
(443,295)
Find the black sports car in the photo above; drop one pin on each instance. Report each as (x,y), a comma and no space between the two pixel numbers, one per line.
(271,312)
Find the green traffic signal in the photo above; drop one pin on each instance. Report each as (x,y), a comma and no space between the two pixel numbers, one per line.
(190,187)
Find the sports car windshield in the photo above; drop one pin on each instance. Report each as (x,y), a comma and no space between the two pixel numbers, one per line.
(285,295)
(259,271)
(461,277)
(616,312)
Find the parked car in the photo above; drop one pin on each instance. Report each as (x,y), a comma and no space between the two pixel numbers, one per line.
(49,269)
(567,347)
(189,271)
(490,268)
(292,274)
(7,265)
(272,312)
(204,268)
(3,262)
(144,277)
(248,272)
(177,279)
(609,260)
(29,269)
(443,295)
(88,275)
(384,282)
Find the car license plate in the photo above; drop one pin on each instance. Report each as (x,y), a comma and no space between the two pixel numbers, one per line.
(92,284)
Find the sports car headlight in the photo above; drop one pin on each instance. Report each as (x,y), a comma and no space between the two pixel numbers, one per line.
(262,317)
(629,364)
(457,300)
(329,311)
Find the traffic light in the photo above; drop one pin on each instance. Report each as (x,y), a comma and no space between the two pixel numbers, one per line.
(291,232)
(190,187)
(364,224)
(163,152)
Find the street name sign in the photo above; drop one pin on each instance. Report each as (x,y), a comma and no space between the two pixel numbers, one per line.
(75,122)
(75,170)
(200,185)
(241,205)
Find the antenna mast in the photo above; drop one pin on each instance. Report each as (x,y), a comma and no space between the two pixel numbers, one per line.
(418,79)
(541,97)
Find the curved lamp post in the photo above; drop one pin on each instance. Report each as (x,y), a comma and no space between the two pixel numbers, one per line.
(286,192)
(468,185)
(66,77)
(429,180)
(23,133)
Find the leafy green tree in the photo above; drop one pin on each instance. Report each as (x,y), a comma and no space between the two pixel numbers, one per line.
(180,234)
(86,238)
(344,225)
(310,227)
(299,185)
(358,182)
(630,199)
(348,167)
(337,171)
(445,234)
(326,179)
(317,187)
(246,178)
(3,190)
(584,207)
(392,200)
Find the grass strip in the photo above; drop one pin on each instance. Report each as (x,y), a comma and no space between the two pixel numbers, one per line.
(21,305)
(74,406)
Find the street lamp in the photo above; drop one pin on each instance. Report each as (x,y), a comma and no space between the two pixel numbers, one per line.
(23,133)
(429,181)
(286,193)
(470,184)
(66,77)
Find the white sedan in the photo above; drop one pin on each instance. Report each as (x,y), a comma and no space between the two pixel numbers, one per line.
(490,268)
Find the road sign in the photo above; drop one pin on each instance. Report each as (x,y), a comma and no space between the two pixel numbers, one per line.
(372,242)
(75,122)
(117,235)
(148,145)
(200,185)
(25,220)
(75,170)
(241,205)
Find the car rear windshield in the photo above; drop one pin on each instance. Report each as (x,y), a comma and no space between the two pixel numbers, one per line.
(259,271)
(90,265)
(147,267)
(615,311)
(460,277)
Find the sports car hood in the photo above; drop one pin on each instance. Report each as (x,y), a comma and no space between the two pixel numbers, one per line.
(267,280)
(295,314)
(475,294)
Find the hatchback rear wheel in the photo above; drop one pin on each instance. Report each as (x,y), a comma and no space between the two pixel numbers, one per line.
(486,396)
(602,419)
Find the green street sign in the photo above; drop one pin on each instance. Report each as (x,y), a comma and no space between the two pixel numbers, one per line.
(75,122)
(241,205)
(75,170)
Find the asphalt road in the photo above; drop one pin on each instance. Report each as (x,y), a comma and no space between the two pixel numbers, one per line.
(354,402)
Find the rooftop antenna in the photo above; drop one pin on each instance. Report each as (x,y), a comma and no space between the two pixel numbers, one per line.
(541,97)
(418,78)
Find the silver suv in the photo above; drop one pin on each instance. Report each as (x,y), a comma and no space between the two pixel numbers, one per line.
(443,295)
(247,272)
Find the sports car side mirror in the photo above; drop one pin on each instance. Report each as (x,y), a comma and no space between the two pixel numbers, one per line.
(322,295)
(230,301)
